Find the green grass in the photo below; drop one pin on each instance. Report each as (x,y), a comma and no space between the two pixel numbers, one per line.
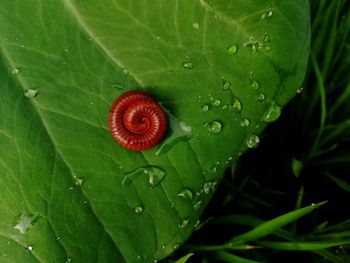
(263,211)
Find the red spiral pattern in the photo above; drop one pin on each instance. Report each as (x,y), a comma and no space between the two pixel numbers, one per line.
(136,121)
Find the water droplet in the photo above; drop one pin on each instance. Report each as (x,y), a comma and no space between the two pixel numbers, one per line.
(163,247)
(214,169)
(245,122)
(237,105)
(197,204)
(205,124)
(31,93)
(261,97)
(205,108)
(186,194)
(125,71)
(78,181)
(224,107)
(30,248)
(266,38)
(138,210)
(232,49)
(69,260)
(266,14)
(15,71)
(180,131)
(25,222)
(195,25)
(196,225)
(184,223)
(267,48)
(209,187)
(253,44)
(253,82)
(70,188)
(155,175)
(215,127)
(226,84)
(300,90)
(139,257)
(253,141)
(176,246)
(272,113)
(188,65)
(217,102)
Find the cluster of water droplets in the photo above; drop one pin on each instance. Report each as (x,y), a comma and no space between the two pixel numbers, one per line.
(256,44)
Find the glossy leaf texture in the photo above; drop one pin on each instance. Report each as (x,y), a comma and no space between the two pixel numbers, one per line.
(221,69)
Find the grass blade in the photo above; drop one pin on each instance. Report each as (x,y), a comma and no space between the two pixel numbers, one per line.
(302,246)
(278,222)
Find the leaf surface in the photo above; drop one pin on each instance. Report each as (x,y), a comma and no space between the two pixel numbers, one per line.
(221,69)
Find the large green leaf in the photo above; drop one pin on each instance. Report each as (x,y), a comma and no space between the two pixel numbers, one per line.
(62,64)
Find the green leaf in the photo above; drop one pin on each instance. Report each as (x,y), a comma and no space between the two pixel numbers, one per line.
(63,63)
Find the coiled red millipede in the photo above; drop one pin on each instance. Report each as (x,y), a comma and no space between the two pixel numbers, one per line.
(136,121)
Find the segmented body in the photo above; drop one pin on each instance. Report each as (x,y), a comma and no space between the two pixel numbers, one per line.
(137,121)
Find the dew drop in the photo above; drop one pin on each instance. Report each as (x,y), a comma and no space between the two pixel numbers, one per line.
(187,65)
(266,14)
(253,44)
(261,97)
(236,104)
(209,187)
(31,93)
(197,204)
(184,223)
(25,222)
(15,71)
(266,38)
(196,225)
(176,246)
(155,175)
(195,25)
(226,84)
(205,108)
(215,127)
(30,248)
(125,71)
(180,131)
(69,260)
(78,181)
(163,247)
(138,210)
(272,113)
(300,90)
(224,107)
(267,48)
(232,49)
(217,102)
(254,83)
(214,169)
(186,194)
(253,141)
(245,122)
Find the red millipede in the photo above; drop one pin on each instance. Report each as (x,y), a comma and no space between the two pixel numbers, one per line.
(136,121)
